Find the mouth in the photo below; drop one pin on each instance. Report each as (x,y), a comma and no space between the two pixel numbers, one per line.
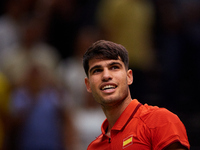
(108,87)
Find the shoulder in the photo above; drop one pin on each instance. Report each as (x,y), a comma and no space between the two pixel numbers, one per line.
(163,126)
(154,116)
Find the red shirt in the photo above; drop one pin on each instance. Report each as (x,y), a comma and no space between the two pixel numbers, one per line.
(148,128)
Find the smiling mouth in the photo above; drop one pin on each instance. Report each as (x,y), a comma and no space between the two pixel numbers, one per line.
(107,87)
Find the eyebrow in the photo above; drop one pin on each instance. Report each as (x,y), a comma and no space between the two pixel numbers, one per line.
(97,66)
(110,64)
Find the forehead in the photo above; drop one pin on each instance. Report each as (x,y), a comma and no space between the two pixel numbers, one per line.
(103,62)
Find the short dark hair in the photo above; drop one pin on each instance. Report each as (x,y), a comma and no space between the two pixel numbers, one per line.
(103,49)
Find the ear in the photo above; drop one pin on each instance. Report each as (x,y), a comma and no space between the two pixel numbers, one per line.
(129,77)
(87,83)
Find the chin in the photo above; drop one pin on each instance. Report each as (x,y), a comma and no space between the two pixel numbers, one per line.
(111,101)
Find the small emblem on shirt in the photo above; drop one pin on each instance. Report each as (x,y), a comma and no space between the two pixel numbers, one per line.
(127,141)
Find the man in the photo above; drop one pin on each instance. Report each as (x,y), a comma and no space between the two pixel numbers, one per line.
(129,124)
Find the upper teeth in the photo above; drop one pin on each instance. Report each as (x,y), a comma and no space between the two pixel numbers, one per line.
(108,87)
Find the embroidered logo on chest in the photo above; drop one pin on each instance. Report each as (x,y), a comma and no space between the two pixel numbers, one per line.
(127,141)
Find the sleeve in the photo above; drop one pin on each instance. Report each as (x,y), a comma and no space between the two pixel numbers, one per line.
(166,128)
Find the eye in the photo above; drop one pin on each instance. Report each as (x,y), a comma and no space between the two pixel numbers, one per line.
(115,67)
(96,71)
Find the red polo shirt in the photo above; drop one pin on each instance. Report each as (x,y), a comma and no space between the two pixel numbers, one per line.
(142,128)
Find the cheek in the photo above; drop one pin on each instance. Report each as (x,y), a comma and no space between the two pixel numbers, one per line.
(123,78)
(94,83)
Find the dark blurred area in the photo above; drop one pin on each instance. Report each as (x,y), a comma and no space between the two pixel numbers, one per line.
(43,99)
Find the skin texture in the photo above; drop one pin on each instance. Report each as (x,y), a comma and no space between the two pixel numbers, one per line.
(108,72)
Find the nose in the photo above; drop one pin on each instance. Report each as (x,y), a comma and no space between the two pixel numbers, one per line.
(106,75)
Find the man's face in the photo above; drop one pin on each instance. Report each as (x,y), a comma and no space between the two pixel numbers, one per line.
(108,81)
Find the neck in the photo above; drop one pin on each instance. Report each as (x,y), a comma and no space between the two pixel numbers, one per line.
(113,113)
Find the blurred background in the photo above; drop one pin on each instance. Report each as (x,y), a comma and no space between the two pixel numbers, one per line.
(43,100)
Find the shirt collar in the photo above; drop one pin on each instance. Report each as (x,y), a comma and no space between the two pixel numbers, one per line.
(122,120)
